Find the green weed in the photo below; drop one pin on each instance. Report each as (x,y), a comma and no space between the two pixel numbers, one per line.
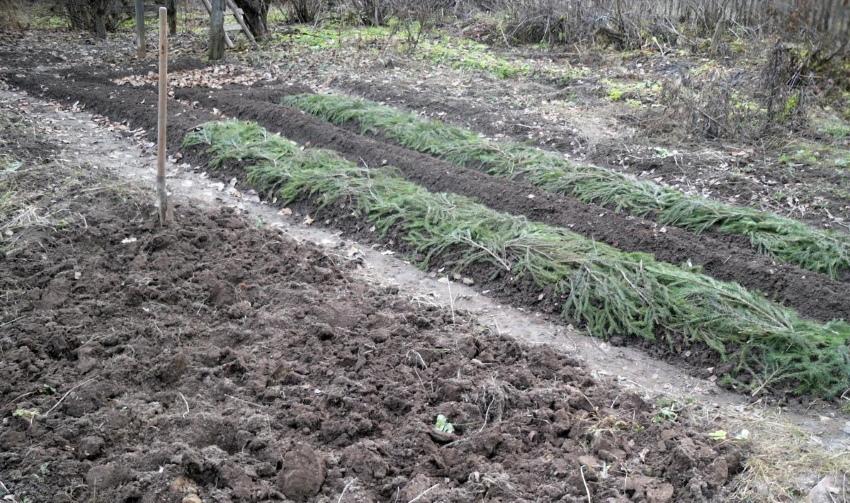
(632,91)
(838,130)
(442,425)
(668,411)
(785,239)
(801,155)
(610,292)
(468,55)
(330,35)
(443,49)
(28,415)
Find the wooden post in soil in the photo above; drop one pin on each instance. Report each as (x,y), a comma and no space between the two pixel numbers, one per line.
(217,33)
(227,41)
(162,115)
(140,28)
(171,5)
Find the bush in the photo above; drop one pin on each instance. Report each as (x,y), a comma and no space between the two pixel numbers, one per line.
(305,11)
(370,12)
(634,23)
(97,16)
(417,17)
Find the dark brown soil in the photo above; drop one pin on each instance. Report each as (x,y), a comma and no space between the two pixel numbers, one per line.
(490,120)
(214,361)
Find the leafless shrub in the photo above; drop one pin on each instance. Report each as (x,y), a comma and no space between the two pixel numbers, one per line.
(9,18)
(611,22)
(370,12)
(639,22)
(305,11)
(710,106)
(783,79)
(417,17)
(97,16)
(737,104)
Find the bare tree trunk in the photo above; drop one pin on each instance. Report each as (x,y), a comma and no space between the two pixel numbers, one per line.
(216,49)
(171,6)
(256,16)
(227,41)
(100,19)
(140,28)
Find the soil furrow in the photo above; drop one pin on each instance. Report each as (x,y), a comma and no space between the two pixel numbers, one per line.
(813,295)
(135,106)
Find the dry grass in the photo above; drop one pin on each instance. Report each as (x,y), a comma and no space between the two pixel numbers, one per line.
(784,462)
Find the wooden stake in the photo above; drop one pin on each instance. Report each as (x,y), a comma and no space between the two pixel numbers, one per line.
(217,33)
(163,114)
(140,28)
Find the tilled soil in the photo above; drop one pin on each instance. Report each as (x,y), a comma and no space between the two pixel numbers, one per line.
(727,258)
(216,361)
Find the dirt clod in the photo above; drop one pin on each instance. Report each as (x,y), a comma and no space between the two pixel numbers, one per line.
(302,474)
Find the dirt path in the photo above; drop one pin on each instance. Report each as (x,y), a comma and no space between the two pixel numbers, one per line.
(631,368)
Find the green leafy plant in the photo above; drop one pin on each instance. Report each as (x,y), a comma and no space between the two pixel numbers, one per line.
(465,54)
(785,239)
(668,411)
(28,415)
(610,292)
(443,425)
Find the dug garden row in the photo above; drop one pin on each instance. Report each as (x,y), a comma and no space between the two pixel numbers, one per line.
(721,256)
(759,345)
(785,239)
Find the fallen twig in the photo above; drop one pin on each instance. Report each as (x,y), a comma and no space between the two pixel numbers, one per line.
(66,395)
(184,403)
(583,481)
(423,493)
(345,489)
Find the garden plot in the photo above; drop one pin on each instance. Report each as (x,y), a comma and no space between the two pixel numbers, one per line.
(213,360)
(741,337)
(134,107)
(722,256)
